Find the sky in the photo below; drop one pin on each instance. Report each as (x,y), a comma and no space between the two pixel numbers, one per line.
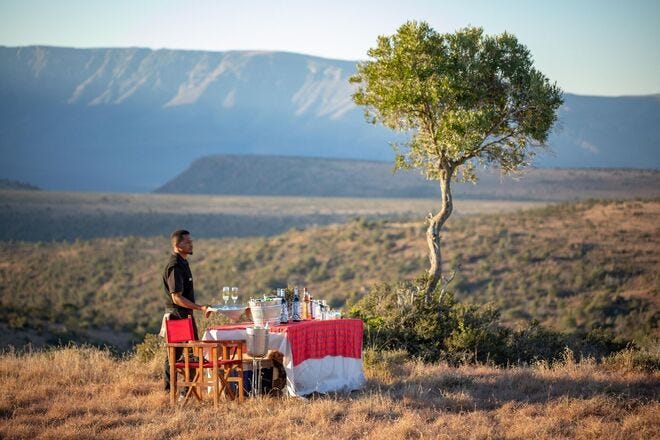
(589,47)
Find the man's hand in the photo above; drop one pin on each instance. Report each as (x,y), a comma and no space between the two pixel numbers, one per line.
(206,311)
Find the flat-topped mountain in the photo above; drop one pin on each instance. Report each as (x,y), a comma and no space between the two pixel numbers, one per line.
(132,119)
(305,176)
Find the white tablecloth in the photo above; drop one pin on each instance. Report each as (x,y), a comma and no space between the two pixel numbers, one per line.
(328,374)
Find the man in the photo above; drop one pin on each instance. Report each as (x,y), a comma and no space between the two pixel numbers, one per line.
(178,284)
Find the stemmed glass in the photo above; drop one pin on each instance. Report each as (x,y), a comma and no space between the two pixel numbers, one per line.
(225,294)
(234,294)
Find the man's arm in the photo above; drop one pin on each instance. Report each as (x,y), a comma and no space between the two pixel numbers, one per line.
(182,301)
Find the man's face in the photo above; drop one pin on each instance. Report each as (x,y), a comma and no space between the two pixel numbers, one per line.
(185,246)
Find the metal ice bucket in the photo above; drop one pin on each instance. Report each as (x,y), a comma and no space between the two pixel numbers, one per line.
(266,312)
(257,341)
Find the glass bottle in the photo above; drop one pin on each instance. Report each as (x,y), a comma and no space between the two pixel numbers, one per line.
(295,315)
(284,317)
(305,304)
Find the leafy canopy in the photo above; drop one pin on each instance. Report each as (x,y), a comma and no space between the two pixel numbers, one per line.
(467,98)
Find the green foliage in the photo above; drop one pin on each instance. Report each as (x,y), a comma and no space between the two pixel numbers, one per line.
(463,96)
(399,317)
(465,99)
(478,336)
(644,360)
(151,346)
(109,290)
(534,343)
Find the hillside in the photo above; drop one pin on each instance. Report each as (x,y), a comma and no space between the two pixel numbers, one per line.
(570,266)
(311,177)
(131,119)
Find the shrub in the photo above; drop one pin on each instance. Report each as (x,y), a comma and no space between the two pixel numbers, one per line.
(400,317)
(478,336)
(645,360)
(535,343)
(149,348)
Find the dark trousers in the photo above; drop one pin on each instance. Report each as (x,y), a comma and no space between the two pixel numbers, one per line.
(166,372)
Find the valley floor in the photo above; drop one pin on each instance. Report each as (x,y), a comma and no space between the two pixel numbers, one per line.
(85,393)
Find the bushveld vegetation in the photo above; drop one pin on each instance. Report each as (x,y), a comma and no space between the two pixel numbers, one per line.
(72,393)
(433,368)
(572,267)
(404,317)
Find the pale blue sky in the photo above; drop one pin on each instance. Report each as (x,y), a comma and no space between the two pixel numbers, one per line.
(589,47)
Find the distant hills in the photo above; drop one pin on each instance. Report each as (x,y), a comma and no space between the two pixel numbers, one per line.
(15,185)
(304,176)
(133,119)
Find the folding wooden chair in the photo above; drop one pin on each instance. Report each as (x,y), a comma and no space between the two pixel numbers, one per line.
(224,359)
(231,367)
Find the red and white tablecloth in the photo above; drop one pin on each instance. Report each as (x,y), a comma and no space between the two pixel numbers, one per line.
(319,356)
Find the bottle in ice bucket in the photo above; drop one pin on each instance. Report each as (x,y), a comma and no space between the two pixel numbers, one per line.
(323,309)
(304,311)
(310,313)
(284,317)
(312,309)
(295,314)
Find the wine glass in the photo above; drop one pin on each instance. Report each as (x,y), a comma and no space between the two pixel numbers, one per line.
(225,294)
(234,294)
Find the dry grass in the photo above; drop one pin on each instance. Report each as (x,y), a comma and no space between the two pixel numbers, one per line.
(85,393)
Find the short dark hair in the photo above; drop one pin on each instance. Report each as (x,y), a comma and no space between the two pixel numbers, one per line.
(176,237)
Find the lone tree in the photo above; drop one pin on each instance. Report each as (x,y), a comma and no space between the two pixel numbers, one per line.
(466,99)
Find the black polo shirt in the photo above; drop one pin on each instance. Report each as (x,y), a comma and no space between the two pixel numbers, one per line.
(177,277)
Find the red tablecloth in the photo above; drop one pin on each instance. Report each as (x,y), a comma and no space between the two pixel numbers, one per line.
(317,339)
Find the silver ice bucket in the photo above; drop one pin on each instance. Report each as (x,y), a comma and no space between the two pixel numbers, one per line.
(257,341)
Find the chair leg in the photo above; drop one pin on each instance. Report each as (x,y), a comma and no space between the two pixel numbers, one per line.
(216,384)
(240,386)
(173,381)
(238,380)
(222,377)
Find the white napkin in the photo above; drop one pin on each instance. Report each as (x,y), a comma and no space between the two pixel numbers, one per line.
(163,326)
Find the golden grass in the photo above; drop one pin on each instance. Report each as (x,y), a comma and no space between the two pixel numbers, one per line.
(85,393)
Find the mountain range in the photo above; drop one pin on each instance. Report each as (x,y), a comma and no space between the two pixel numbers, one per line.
(132,119)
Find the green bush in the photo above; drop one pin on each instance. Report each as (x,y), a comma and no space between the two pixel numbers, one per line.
(149,348)
(478,336)
(400,317)
(535,343)
(645,360)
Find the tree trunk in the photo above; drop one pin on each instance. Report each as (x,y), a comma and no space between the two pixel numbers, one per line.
(433,232)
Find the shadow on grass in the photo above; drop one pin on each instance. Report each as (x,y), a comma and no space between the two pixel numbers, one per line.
(459,391)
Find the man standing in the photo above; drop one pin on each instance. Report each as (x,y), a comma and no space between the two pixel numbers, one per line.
(178,284)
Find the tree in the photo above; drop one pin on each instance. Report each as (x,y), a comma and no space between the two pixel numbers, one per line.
(466,99)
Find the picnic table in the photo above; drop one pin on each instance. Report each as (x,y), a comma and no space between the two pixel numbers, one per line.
(318,355)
